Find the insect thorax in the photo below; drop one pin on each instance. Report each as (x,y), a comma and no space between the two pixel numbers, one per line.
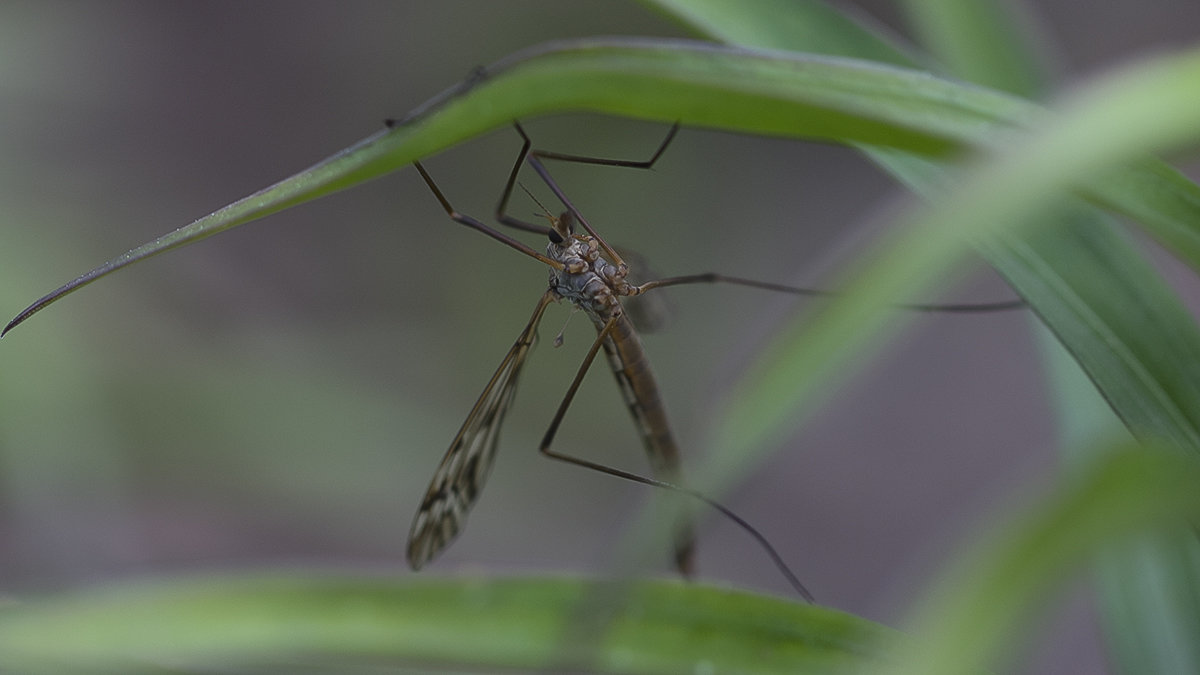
(587,279)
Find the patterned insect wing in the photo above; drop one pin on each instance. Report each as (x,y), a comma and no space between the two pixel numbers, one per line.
(465,467)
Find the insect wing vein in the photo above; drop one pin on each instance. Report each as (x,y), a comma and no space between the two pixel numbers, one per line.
(465,467)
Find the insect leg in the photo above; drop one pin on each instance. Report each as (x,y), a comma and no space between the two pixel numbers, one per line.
(474,223)
(502,207)
(715,278)
(534,157)
(626,163)
(548,440)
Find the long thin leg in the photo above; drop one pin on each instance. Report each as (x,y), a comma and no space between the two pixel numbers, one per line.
(603,161)
(527,154)
(572,209)
(715,278)
(474,223)
(533,157)
(548,440)
(502,207)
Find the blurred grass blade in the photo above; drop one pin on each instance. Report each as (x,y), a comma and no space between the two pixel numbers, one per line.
(1120,120)
(1151,600)
(235,623)
(985,600)
(996,199)
(795,25)
(1149,603)
(1112,311)
(1148,598)
(1148,191)
(1097,294)
(1158,197)
(981,41)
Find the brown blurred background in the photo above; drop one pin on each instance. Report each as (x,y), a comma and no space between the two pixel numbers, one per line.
(280,395)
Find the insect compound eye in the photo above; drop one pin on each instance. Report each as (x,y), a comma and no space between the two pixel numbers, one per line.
(555,237)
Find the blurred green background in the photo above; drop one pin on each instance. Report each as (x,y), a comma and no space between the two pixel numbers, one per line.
(281,394)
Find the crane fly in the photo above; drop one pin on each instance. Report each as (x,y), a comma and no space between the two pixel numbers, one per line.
(590,274)
(593,277)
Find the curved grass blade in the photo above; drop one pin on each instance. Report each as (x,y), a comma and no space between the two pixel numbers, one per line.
(775,93)
(794,25)
(1148,600)
(1148,191)
(1092,299)
(981,41)
(998,199)
(693,83)
(304,621)
(1102,294)
(982,603)
(1108,306)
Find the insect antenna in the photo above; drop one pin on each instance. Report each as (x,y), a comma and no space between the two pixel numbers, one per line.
(545,211)
(560,226)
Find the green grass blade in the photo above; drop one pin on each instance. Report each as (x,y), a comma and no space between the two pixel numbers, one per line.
(1158,197)
(1150,594)
(1090,133)
(981,41)
(1093,288)
(1116,316)
(303,621)
(795,25)
(1149,191)
(693,83)
(701,85)
(996,200)
(978,607)
(1148,590)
